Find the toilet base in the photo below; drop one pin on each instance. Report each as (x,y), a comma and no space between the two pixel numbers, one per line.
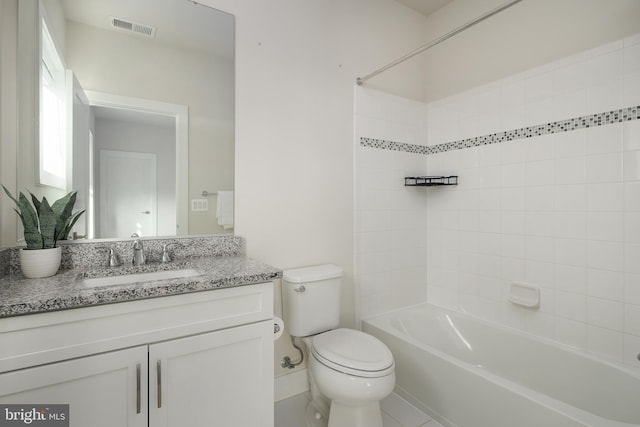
(313,417)
(341,415)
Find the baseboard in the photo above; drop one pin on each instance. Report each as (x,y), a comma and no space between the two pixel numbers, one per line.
(290,384)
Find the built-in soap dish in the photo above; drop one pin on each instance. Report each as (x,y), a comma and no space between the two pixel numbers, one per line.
(525,294)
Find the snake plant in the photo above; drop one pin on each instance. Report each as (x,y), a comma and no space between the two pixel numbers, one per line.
(45,224)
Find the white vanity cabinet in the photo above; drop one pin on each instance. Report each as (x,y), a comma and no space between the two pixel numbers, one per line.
(198,359)
(103,390)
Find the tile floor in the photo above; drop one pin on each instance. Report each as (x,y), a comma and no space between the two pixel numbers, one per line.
(396,412)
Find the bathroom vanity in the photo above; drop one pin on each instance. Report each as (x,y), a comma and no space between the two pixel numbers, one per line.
(190,351)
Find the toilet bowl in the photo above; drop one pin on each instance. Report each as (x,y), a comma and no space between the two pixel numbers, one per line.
(352,371)
(349,370)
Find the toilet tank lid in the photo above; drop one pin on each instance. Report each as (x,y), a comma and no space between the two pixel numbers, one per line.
(312,273)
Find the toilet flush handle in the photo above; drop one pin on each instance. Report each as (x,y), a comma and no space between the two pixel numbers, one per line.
(300,288)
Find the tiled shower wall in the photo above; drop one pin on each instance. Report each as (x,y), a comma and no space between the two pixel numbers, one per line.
(554,201)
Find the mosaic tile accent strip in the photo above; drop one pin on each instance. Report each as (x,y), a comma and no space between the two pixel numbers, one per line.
(593,120)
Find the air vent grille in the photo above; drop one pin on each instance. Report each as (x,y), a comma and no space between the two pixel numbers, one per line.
(130,26)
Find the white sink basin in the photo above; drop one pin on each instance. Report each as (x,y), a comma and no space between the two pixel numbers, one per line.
(139,277)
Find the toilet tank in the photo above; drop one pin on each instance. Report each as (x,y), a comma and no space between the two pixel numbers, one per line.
(311,299)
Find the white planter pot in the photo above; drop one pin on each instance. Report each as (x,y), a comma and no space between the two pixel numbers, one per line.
(39,263)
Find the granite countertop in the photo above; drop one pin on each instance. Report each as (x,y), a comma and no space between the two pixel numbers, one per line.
(65,290)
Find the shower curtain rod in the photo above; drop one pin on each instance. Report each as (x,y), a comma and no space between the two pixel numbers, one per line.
(439,40)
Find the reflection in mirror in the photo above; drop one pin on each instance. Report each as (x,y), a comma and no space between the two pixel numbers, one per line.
(149,113)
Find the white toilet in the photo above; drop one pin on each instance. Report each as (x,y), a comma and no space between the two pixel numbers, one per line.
(349,371)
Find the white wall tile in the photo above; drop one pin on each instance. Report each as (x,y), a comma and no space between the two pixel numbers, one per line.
(539,248)
(606,343)
(539,272)
(604,168)
(632,288)
(513,199)
(512,222)
(605,255)
(604,67)
(539,148)
(571,225)
(632,227)
(513,152)
(605,197)
(606,284)
(631,135)
(539,223)
(539,198)
(631,59)
(631,90)
(571,332)
(570,278)
(631,165)
(538,172)
(570,197)
(569,144)
(538,88)
(569,77)
(569,170)
(604,139)
(490,155)
(571,306)
(632,319)
(513,175)
(632,196)
(605,226)
(632,255)
(605,313)
(605,97)
(570,251)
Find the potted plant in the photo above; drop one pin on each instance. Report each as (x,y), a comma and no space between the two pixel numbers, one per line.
(44,225)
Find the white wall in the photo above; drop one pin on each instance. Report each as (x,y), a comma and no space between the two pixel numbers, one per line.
(8,117)
(296,66)
(557,210)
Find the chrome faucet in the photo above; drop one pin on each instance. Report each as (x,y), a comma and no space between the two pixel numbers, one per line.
(139,257)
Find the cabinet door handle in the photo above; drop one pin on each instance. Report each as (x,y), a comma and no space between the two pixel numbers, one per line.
(159,375)
(138,385)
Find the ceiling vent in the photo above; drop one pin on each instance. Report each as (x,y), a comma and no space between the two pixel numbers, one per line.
(130,26)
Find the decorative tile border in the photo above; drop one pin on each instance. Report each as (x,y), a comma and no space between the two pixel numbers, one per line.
(600,119)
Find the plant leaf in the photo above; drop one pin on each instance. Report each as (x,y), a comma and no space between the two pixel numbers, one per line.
(32,235)
(10,195)
(35,202)
(48,221)
(63,209)
(69,226)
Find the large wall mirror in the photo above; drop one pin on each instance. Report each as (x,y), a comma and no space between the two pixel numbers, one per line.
(131,104)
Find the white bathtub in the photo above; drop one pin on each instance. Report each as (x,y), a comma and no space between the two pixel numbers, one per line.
(469,373)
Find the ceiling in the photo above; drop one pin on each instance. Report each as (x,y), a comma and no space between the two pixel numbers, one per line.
(425,7)
(179,23)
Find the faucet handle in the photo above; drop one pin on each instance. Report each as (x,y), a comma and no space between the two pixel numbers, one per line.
(165,253)
(113,257)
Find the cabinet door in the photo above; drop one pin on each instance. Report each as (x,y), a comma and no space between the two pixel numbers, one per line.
(104,390)
(222,378)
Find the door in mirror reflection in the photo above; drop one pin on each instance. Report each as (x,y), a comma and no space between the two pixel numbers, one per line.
(127,194)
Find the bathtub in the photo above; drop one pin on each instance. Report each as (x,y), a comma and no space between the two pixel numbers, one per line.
(469,373)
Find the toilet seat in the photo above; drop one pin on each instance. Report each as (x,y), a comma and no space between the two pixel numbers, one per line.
(353,352)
